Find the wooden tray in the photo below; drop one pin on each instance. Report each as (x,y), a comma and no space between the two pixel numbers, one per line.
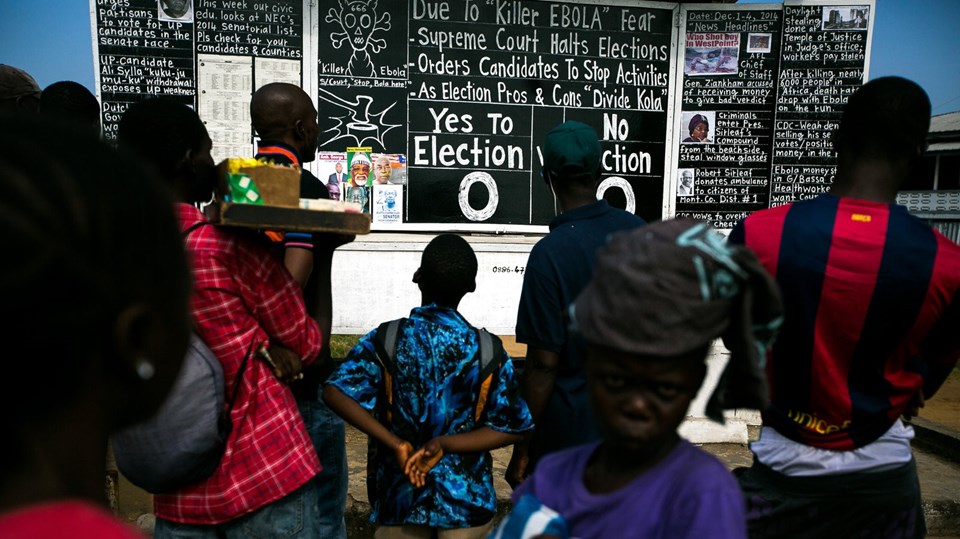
(284,218)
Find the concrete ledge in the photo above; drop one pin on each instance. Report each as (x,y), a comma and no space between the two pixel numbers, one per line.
(937,439)
(700,430)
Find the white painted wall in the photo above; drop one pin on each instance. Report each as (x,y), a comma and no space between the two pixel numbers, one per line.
(697,428)
(373,283)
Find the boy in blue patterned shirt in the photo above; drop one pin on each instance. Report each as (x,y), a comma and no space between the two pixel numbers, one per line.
(430,400)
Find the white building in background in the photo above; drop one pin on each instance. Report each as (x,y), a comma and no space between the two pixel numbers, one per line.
(933,193)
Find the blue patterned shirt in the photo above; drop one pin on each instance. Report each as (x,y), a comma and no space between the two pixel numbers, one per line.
(435,393)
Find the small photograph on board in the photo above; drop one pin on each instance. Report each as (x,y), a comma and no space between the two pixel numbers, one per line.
(359,166)
(685,181)
(175,10)
(845,17)
(358,194)
(387,204)
(389,168)
(697,124)
(711,54)
(759,42)
(333,172)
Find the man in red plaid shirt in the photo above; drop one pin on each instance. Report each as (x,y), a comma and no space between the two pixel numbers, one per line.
(242,296)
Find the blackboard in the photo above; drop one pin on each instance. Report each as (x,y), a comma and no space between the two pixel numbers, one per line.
(137,54)
(773,90)
(466,90)
(211,56)
(824,62)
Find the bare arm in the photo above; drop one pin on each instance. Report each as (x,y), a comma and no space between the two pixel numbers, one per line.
(299,262)
(482,439)
(357,416)
(321,304)
(539,379)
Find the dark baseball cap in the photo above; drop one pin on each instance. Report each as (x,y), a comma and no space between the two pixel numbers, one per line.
(571,148)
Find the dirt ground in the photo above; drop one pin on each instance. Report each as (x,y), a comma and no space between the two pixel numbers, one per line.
(944,407)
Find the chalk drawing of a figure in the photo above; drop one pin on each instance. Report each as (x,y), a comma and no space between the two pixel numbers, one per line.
(359,21)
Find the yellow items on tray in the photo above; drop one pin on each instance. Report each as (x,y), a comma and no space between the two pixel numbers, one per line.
(245,180)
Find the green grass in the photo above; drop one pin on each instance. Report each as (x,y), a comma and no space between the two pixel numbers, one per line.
(341,344)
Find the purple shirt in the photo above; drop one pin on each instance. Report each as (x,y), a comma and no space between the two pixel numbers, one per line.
(688,494)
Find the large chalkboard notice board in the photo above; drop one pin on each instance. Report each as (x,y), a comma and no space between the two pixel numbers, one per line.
(212,54)
(704,110)
(468,90)
(767,84)
(726,124)
(823,63)
(137,54)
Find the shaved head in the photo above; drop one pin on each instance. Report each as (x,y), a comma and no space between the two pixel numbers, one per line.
(283,112)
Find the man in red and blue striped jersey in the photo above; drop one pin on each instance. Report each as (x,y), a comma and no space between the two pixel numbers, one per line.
(872,298)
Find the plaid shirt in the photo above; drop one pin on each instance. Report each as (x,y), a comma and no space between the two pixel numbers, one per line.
(244,294)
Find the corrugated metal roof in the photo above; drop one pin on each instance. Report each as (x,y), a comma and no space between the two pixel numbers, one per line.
(944,123)
(943,147)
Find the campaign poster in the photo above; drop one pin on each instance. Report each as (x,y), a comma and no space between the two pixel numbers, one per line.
(333,172)
(387,204)
(360,180)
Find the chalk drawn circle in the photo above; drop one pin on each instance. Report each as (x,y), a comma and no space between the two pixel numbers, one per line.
(492,200)
(623,185)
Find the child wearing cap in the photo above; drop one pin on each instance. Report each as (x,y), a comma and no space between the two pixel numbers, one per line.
(658,298)
(428,386)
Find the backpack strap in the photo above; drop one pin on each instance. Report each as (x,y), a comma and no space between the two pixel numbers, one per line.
(193,227)
(225,424)
(490,354)
(385,346)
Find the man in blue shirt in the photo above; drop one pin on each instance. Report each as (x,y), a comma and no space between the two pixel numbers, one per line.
(560,266)
(432,395)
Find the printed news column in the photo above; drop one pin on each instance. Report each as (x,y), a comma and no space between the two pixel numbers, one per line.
(208,54)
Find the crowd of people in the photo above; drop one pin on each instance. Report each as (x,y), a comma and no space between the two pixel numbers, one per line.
(839,314)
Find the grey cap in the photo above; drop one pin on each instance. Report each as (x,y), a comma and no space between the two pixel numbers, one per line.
(672,287)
